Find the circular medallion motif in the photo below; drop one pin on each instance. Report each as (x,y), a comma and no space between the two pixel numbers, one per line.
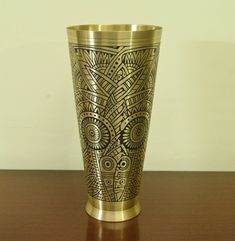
(135,133)
(107,163)
(95,133)
(122,182)
(124,163)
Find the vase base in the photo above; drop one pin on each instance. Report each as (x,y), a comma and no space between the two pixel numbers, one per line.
(113,211)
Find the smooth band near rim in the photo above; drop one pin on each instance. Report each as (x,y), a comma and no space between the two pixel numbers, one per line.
(114,35)
(113,211)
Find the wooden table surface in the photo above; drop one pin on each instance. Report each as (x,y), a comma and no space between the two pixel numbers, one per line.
(177,206)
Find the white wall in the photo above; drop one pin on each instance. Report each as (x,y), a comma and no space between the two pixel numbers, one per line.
(193,122)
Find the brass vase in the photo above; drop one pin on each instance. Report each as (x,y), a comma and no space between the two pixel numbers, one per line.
(114,69)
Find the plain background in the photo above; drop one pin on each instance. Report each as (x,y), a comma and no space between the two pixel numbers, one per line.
(193,121)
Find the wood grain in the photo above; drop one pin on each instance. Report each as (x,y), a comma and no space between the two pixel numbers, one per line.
(177,206)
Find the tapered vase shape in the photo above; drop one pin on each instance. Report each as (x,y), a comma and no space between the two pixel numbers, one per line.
(114,70)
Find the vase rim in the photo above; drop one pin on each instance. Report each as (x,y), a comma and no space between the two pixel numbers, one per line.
(115,27)
(114,34)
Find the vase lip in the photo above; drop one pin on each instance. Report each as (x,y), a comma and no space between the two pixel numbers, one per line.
(114,34)
(115,27)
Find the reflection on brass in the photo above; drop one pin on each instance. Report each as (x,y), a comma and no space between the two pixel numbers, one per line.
(114,35)
(114,68)
(113,211)
(102,231)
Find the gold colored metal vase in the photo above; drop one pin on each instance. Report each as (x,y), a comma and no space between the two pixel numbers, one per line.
(114,69)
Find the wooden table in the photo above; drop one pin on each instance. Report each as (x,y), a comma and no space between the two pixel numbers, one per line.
(177,206)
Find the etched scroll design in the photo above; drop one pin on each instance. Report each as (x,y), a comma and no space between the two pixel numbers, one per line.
(113,89)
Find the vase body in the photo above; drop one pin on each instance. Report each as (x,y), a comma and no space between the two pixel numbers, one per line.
(114,69)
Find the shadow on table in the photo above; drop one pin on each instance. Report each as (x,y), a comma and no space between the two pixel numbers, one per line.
(106,231)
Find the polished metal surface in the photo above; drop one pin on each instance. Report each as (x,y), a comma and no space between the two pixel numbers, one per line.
(113,211)
(114,35)
(114,69)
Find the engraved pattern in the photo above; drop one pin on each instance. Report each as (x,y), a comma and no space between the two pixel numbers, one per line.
(113,89)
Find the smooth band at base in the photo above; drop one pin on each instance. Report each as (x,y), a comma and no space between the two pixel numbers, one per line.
(113,211)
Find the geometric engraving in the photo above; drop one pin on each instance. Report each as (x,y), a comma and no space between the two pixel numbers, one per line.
(113,89)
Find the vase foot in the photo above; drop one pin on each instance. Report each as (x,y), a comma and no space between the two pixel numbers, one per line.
(113,211)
